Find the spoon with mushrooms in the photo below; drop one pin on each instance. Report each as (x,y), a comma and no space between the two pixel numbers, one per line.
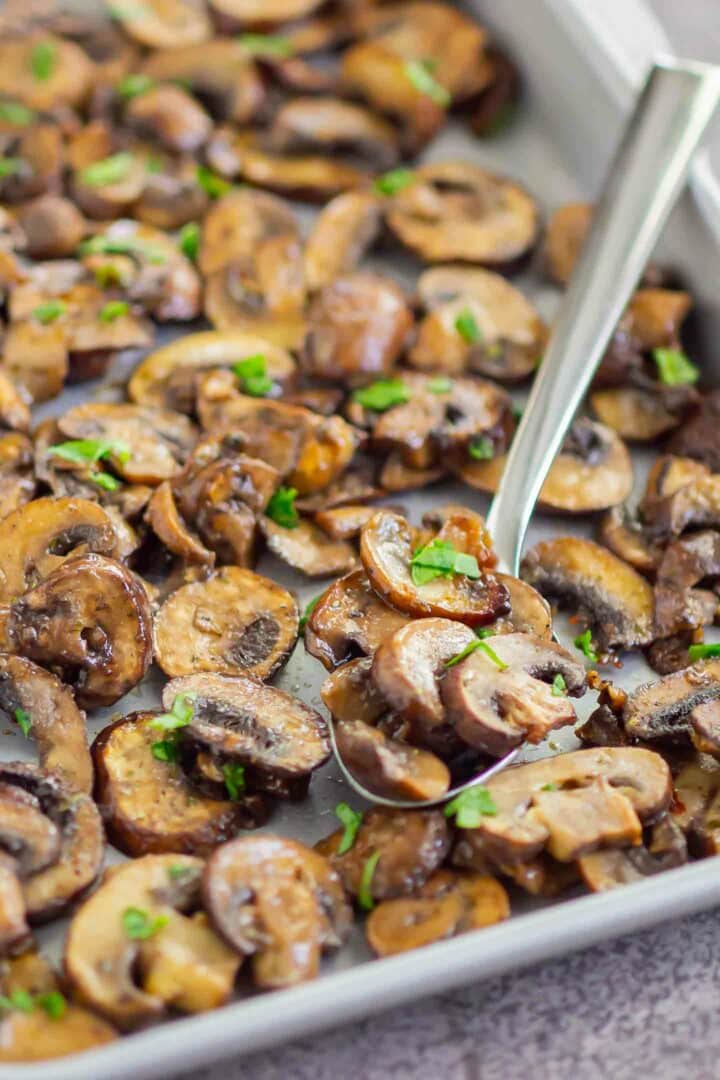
(496,698)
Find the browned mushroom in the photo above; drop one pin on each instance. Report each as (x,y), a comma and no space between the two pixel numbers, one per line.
(14,410)
(90,619)
(53,227)
(476,320)
(149,805)
(389,767)
(250,12)
(67,68)
(163,517)
(343,232)
(250,885)
(166,24)
(17,480)
(36,157)
(642,414)
(623,534)
(350,694)
(449,903)
(170,199)
(35,357)
(697,437)
(684,563)
(357,328)
(235,623)
(565,236)
(15,934)
(308,549)
(219,73)
(693,504)
(333,126)
(704,722)
(610,594)
(343,522)
(171,117)
(697,784)
(662,709)
(396,475)
(664,849)
(529,611)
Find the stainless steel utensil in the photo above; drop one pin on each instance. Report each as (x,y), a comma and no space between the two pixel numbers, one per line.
(645,180)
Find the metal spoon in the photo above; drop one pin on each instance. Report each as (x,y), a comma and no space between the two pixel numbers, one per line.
(645,180)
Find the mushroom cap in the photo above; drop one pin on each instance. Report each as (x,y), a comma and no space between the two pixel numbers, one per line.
(166,24)
(28,1037)
(235,623)
(640,414)
(662,709)
(665,848)
(219,72)
(564,237)
(172,117)
(331,124)
(308,549)
(344,230)
(388,766)
(67,83)
(53,227)
(697,437)
(349,693)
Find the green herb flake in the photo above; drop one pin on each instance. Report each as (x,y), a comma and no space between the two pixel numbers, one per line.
(583,642)
(382,395)
(473,647)
(212,184)
(134,85)
(139,925)
(273,45)
(108,275)
(12,112)
(125,245)
(234,777)
(178,871)
(559,686)
(702,652)
(391,183)
(23,721)
(440,385)
(189,240)
(179,716)
(21,1000)
(351,820)
(440,559)
(48,312)
(471,806)
(674,368)
(90,451)
(253,376)
(10,166)
(281,508)
(166,750)
(364,895)
(53,1003)
(113,310)
(154,164)
(467,327)
(309,608)
(106,481)
(110,170)
(481,449)
(550,787)
(420,74)
(42,60)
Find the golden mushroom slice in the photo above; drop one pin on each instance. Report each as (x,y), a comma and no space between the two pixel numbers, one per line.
(107,934)
(149,804)
(530,612)
(238,222)
(17,479)
(14,409)
(147,445)
(638,414)
(249,12)
(218,72)
(564,238)
(308,549)
(35,357)
(344,230)
(389,767)
(458,211)
(349,694)
(91,619)
(165,24)
(235,623)
(171,117)
(167,377)
(37,157)
(164,518)
(44,71)
(449,903)
(249,886)
(476,321)
(337,127)
(53,227)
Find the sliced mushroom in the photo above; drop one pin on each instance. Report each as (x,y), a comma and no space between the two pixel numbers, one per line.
(68,79)
(664,849)
(241,720)
(343,522)
(149,805)
(220,73)
(53,227)
(90,619)
(565,236)
(249,12)
(166,25)
(529,611)
(169,200)
(238,223)
(350,620)
(37,538)
(235,623)
(350,694)
(507,335)
(386,550)
(698,437)
(639,414)
(449,903)
(396,475)
(692,505)
(502,695)
(28,1036)
(164,519)
(613,596)
(457,211)
(542,805)
(357,328)
(624,535)
(662,709)
(493,108)
(705,727)
(249,887)
(15,934)
(100,959)
(343,232)
(412,845)
(331,125)
(35,357)
(14,410)
(171,117)
(308,549)
(355,484)
(697,785)
(17,480)
(56,723)
(389,767)
(684,563)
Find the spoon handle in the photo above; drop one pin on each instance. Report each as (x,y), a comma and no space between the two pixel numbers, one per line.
(645,180)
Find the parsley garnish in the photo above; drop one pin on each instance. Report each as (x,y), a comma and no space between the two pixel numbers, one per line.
(106,481)
(133,86)
(179,716)
(117,245)
(440,385)
(10,166)
(48,312)
(53,1003)
(583,642)
(473,647)
(382,395)
(440,559)
(253,376)
(309,608)
(23,721)
(390,183)
(550,787)
(467,327)
(42,60)
(113,310)
(18,999)
(481,448)
(108,171)
(281,508)
(674,368)
(12,112)
(274,45)
(108,275)
(351,820)
(234,777)
(559,686)
(189,240)
(166,750)
(90,451)
(178,871)
(471,806)
(139,926)
(702,652)
(420,74)
(364,896)
(212,184)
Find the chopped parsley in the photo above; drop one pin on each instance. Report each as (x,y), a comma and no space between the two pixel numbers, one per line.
(139,925)
(559,686)
(364,895)
(113,310)
(212,184)
(110,170)
(178,871)
(440,385)
(179,716)
(440,559)
(90,451)
(189,240)
(550,787)
(390,183)
(134,85)
(471,806)
(309,608)
(49,311)
(18,999)
(12,112)
(583,642)
(702,652)
(10,166)
(108,275)
(42,60)
(481,448)
(382,395)
(23,721)
(253,376)
(166,750)
(121,245)
(53,1003)
(351,820)
(467,327)
(281,508)
(674,368)
(234,777)
(273,45)
(420,74)
(106,481)
(473,647)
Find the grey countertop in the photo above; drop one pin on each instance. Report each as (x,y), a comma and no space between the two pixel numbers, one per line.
(639,1007)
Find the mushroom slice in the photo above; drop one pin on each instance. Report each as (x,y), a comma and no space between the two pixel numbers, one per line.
(17,480)
(39,153)
(614,597)
(564,238)
(386,551)
(28,835)
(639,414)
(220,73)
(685,562)
(171,117)
(90,619)
(344,230)
(37,538)
(158,440)
(458,211)
(501,334)
(698,437)
(167,376)
(238,223)
(664,849)
(169,200)
(357,328)
(308,549)
(263,728)
(331,125)
(396,475)
(350,694)
(101,959)
(166,24)
(249,12)
(529,611)
(35,357)
(164,519)
(56,723)
(449,903)
(149,805)
(622,533)
(344,522)
(53,227)
(662,709)
(623,787)
(15,934)
(251,884)
(235,623)
(506,692)
(14,410)
(412,845)
(27,1036)
(705,727)
(389,767)
(67,81)
(694,505)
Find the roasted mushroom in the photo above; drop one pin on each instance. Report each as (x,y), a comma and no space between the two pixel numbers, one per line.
(219,73)
(308,549)
(166,24)
(53,227)
(340,128)
(343,232)
(662,710)
(66,77)
(684,563)
(565,235)
(388,767)
(664,849)
(17,479)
